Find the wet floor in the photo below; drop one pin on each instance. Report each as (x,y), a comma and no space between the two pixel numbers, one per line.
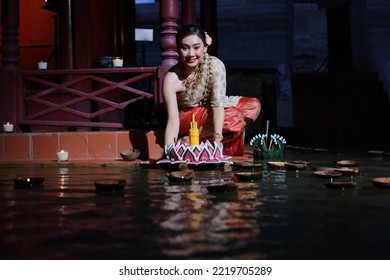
(285,215)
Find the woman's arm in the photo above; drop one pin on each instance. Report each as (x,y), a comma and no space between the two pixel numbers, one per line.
(218,97)
(218,119)
(170,100)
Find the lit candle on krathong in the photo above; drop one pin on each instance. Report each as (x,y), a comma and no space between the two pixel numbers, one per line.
(270,145)
(194,132)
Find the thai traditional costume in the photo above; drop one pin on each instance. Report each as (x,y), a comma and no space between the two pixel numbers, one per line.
(208,89)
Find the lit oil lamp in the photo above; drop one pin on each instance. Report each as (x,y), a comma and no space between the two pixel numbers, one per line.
(27,182)
(62,155)
(8,127)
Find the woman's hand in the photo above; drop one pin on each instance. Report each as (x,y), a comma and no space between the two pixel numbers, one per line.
(218,137)
(185,140)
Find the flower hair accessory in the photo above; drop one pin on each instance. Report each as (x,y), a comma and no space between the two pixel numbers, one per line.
(209,40)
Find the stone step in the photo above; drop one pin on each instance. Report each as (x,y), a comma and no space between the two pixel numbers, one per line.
(81,145)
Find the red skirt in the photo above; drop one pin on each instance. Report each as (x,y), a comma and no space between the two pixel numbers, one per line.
(236,118)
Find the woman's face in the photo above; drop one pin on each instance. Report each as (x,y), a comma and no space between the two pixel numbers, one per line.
(192,50)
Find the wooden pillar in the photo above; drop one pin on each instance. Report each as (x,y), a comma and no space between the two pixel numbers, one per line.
(65,34)
(130,49)
(188,12)
(209,22)
(169,16)
(9,77)
(10,34)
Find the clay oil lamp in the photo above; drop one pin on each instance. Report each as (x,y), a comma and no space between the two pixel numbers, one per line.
(180,176)
(340,185)
(295,166)
(381,182)
(376,152)
(249,176)
(247,165)
(328,174)
(347,163)
(131,154)
(276,164)
(28,182)
(110,185)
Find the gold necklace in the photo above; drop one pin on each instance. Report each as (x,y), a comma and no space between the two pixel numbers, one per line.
(189,80)
(195,80)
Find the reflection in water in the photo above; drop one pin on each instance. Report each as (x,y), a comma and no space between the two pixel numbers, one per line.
(210,222)
(282,216)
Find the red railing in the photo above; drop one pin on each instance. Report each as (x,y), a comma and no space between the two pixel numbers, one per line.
(84,97)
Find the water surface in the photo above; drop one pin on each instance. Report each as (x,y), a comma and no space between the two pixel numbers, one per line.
(285,215)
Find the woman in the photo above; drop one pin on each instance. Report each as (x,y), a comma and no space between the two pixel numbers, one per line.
(197,85)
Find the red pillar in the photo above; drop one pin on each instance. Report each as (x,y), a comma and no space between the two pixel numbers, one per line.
(65,34)
(129,45)
(188,12)
(169,16)
(10,34)
(9,77)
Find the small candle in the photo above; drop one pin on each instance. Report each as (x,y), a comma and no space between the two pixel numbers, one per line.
(194,132)
(117,62)
(42,65)
(8,127)
(62,155)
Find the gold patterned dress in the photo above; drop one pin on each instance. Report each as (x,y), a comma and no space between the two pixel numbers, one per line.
(208,89)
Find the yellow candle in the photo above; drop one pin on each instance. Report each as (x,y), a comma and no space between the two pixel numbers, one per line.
(270,145)
(194,132)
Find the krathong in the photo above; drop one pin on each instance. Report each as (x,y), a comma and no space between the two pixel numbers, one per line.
(205,152)
(264,148)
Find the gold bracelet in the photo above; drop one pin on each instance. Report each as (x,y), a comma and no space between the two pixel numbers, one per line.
(217,136)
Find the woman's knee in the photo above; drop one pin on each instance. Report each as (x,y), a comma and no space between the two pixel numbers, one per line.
(234,120)
(250,107)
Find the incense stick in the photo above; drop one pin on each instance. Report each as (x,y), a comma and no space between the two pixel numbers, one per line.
(266,133)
